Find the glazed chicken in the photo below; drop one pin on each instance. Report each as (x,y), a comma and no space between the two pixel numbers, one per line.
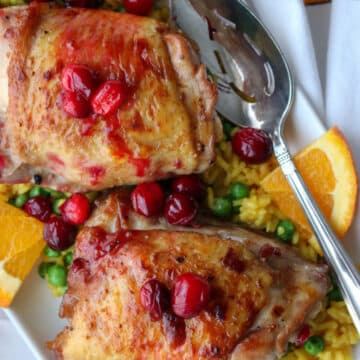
(261,293)
(165,126)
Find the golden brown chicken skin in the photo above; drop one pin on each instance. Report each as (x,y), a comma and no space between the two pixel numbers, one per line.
(261,291)
(165,126)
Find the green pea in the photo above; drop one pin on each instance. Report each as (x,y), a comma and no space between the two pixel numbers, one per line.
(54,193)
(92,195)
(20,200)
(227,128)
(44,268)
(49,252)
(121,9)
(57,275)
(222,207)
(285,230)
(11,201)
(333,280)
(239,191)
(314,345)
(57,204)
(335,295)
(288,350)
(37,191)
(68,258)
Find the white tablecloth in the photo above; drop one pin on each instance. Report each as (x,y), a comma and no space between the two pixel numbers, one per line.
(12,346)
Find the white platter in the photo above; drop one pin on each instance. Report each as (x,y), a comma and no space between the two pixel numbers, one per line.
(35,311)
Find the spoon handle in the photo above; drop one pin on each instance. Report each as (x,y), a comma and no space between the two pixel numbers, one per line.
(347,275)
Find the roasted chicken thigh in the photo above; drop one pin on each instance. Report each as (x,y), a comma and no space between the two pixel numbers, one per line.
(165,126)
(261,290)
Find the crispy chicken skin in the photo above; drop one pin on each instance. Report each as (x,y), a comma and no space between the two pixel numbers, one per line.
(165,128)
(254,310)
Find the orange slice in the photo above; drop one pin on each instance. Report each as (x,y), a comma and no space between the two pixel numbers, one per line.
(21,244)
(328,169)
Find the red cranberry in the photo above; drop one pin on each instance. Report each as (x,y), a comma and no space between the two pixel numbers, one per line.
(74,104)
(189,295)
(58,234)
(109,97)
(78,78)
(39,208)
(148,199)
(303,335)
(252,146)
(189,184)
(180,209)
(76,209)
(138,7)
(155,298)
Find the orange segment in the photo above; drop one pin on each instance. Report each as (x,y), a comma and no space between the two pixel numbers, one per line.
(5,298)
(21,243)
(17,234)
(21,264)
(328,169)
(7,209)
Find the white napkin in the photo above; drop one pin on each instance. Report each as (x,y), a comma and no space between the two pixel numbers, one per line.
(343,71)
(288,22)
(343,83)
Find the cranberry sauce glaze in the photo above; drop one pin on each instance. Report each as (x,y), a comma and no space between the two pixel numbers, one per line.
(130,67)
(103,249)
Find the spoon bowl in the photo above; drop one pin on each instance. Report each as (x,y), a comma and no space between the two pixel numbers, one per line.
(254,82)
(256,90)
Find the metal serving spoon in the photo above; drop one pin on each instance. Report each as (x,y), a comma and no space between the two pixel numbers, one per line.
(256,90)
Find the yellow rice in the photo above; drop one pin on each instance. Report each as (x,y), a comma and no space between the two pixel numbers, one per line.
(333,322)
